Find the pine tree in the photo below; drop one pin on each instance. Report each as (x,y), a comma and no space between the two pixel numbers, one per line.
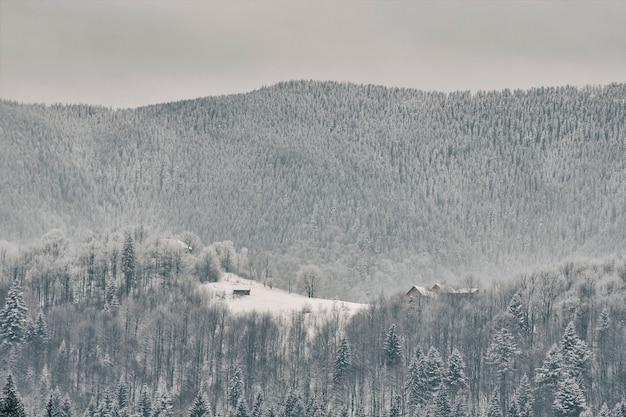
(13,317)
(455,373)
(442,403)
(10,404)
(163,406)
(552,368)
(293,405)
(257,409)
(128,263)
(574,352)
(493,408)
(342,362)
(394,411)
(416,380)
(392,348)
(434,371)
(145,404)
(523,400)
(569,400)
(66,407)
(235,388)
(199,408)
(242,410)
(517,310)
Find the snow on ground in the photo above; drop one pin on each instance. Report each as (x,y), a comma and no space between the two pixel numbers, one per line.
(264,299)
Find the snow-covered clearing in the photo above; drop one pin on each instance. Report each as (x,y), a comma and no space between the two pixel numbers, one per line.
(264,299)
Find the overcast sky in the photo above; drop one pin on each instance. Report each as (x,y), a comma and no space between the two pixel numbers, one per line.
(132,53)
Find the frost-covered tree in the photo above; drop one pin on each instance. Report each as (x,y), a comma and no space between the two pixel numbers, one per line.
(128,263)
(569,400)
(199,407)
(13,317)
(501,353)
(144,405)
(455,372)
(493,407)
(442,403)
(523,400)
(10,404)
(392,348)
(342,362)
(516,308)
(434,370)
(235,388)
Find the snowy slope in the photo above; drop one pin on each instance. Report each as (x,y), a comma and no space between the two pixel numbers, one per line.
(271,300)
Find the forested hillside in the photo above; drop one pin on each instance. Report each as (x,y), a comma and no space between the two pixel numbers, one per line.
(122,329)
(370,182)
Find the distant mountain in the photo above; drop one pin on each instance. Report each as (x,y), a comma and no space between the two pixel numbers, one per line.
(332,173)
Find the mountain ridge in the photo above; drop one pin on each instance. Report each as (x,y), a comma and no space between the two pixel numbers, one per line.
(334,173)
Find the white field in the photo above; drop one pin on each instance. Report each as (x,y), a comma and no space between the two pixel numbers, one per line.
(262,299)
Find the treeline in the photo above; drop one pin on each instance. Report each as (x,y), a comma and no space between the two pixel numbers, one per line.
(359,177)
(137,337)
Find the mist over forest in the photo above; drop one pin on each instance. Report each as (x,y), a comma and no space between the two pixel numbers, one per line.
(111,222)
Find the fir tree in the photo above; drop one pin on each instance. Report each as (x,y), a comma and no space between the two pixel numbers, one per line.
(293,405)
(493,408)
(235,388)
(10,404)
(128,263)
(257,408)
(199,408)
(163,406)
(434,371)
(569,400)
(342,362)
(242,411)
(392,348)
(455,373)
(144,405)
(442,403)
(517,310)
(574,353)
(523,400)
(13,317)
(66,407)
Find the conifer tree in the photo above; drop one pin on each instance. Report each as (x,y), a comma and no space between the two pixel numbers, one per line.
(569,400)
(128,263)
(455,372)
(517,310)
(342,362)
(392,348)
(199,408)
(434,371)
(242,411)
(13,317)
(235,388)
(442,403)
(144,404)
(10,404)
(523,400)
(493,407)
(257,408)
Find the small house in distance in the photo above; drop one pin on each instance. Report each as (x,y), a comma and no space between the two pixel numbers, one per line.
(419,292)
(241,292)
(440,290)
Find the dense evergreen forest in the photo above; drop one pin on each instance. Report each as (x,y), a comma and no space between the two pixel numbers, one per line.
(381,187)
(120,327)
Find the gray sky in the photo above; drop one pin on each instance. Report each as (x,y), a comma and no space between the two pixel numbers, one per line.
(132,53)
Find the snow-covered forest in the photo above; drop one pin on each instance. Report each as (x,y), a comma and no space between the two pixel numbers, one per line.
(370,182)
(120,328)
(112,222)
